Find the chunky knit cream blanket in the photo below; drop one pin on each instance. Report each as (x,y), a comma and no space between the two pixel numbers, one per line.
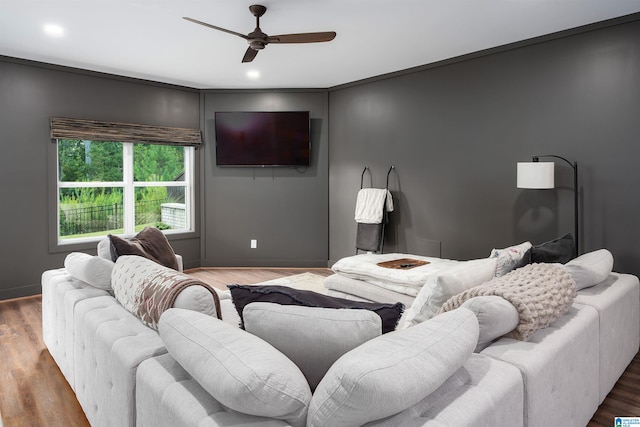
(540,292)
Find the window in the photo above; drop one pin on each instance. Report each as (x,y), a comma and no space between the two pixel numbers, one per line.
(121,187)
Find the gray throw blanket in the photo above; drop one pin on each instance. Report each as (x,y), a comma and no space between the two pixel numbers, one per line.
(540,292)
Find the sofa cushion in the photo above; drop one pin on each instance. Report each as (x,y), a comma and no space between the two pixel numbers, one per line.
(510,258)
(92,270)
(559,366)
(591,268)
(61,292)
(103,249)
(238,369)
(243,295)
(167,396)
(393,372)
(447,283)
(560,250)
(496,317)
(150,243)
(617,300)
(312,337)
(483,392)
(109,344)
(146,289)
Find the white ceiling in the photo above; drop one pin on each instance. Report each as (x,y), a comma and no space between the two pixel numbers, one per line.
(148,39)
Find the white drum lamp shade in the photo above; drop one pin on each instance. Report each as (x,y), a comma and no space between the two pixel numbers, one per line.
(537,175)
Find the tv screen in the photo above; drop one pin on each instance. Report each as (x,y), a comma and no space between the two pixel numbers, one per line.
(261,138)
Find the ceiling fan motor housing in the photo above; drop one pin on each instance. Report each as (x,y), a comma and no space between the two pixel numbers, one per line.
(257,39)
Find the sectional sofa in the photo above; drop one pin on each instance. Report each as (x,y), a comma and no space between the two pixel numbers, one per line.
(200,371)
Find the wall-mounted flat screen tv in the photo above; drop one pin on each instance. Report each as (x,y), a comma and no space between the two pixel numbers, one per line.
(262,138)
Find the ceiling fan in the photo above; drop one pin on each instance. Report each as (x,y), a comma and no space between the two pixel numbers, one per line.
(258,40)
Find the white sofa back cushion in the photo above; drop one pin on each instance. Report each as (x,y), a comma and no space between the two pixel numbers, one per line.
(104,249)
(591,268)
(312,337)
(496,317)
(447,283)
(394,371)
(146,289)
(238,369)
(92,270)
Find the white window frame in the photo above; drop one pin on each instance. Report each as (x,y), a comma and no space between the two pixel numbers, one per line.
(128,200)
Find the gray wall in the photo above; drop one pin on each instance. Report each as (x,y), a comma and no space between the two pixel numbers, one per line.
(284,209)
(455,133)
(29,95)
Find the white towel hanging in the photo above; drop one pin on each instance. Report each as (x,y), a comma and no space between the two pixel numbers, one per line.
(370,205)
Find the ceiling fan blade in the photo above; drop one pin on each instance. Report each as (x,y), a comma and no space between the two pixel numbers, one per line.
(249,55)
(326,36)
(195,21)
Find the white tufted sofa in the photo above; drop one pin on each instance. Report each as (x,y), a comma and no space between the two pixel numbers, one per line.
(123,376)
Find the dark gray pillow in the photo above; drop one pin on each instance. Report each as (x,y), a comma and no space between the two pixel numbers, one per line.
(283,295)
(562,250)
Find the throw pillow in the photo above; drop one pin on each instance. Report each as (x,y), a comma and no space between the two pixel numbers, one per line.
(447,283)
(591,268)
(312,337)
(510,258)
(146,289)
(562,250)
(239,370)
(92,270)
(496,317)
(393,372)
(150,243)
(283,295)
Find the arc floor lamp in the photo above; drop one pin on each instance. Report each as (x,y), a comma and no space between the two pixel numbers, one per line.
(540,175)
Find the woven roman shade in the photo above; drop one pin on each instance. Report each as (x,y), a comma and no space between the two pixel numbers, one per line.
(67,128)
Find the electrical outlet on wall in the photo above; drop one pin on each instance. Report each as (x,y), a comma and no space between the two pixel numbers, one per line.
(254,243)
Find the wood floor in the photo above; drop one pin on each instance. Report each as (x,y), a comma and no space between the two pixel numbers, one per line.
(34,393)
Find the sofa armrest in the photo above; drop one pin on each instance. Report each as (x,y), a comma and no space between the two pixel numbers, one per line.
(180,263)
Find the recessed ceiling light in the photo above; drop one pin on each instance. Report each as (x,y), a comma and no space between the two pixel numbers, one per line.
(253,74)
(53,30)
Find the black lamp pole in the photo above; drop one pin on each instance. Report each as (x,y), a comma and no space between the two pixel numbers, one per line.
(574,165)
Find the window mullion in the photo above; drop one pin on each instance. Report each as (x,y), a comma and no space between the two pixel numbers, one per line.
(129,191)
(188,190)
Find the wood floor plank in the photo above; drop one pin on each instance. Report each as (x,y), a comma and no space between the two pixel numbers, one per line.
(34,393)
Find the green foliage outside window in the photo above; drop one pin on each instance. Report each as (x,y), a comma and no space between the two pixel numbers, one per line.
(157,162)
(83,161)
(99,209)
